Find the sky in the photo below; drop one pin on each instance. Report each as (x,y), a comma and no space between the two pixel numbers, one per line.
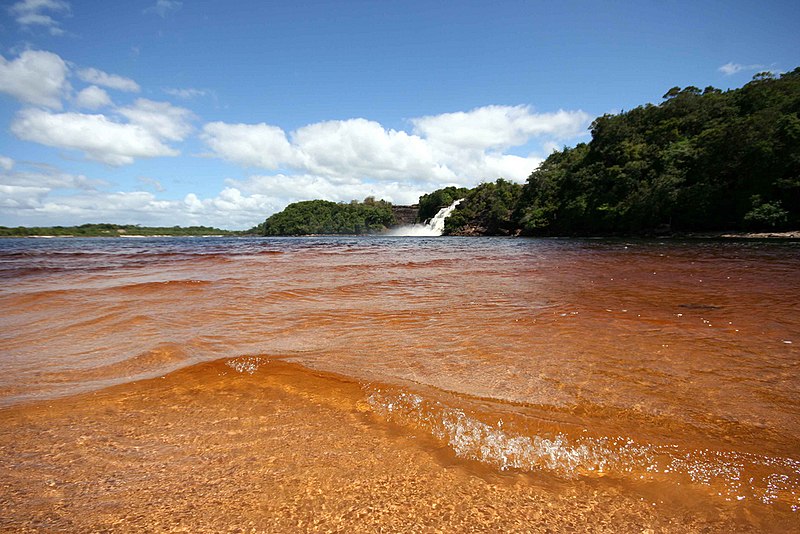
(220,113)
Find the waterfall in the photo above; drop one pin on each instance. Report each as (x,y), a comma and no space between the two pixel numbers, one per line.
(434,227)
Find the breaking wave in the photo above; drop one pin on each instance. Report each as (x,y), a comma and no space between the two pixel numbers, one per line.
(733,475)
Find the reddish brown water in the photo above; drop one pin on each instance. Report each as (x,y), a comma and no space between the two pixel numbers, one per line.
(405,384)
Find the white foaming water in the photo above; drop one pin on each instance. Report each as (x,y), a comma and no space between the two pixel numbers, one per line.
(246,364)
(734,475)
(433,228)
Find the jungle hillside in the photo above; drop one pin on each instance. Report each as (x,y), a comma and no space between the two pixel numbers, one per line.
(701,160)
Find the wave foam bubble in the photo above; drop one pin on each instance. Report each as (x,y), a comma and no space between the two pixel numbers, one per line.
(733,475)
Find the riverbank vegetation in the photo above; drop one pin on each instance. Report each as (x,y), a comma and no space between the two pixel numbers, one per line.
(702,160)
(111,230)
(325,217)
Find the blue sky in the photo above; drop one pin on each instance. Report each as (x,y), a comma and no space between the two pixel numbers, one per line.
(162,112)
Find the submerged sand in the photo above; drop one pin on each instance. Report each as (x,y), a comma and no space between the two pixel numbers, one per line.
(286,449)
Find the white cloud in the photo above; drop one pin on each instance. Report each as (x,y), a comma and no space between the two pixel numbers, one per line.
(160,118)
(499,127)
(92,98)
(50,179)
(97,136)
(17,197)
(250,145)
(509,166)
(163,7)
(50,197)
(363,149)
(112,81)
(47,197)
(23,191)
(729,69)
(6,163)
(35,77)
(333,160)
(283,189)
(32,13)
(35,205)
(448,149)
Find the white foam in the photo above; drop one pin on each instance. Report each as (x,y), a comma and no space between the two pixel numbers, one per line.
(245,364)
(433,228)
(735,475)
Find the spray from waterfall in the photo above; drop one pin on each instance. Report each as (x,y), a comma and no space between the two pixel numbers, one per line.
(434,227)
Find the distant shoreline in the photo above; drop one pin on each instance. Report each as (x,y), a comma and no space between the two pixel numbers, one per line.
(795,234)
(777,236)
(125,236)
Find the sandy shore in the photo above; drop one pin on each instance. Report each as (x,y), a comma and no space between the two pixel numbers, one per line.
(207,449)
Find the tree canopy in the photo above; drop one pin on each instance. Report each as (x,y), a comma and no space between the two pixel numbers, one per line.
(111,230)
(325,217)
(431,203)
(701,160)
(486,210)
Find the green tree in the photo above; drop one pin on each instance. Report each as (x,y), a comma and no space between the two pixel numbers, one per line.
(325,217)
(431,203)
(487,210)
(694,162)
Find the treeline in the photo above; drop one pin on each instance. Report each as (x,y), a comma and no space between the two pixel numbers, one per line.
(325,217)
(702,160)
(110,230)
(487,209)
(430,204)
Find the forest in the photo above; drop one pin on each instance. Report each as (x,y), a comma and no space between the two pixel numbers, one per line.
(110,230)
(701,160)
(324,217)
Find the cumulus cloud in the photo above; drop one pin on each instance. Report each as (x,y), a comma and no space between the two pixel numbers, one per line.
(35,77)
(92,98)
(499,127)
(350,159)
(334,160)
(16,197)
(450,149)
(21,192)
(112,81)
(163,7)
(160,118)
(46,196)
(364,149)
(35,204)
(249,145)
(283,189)
(34,13)
(99,137)
(50,179)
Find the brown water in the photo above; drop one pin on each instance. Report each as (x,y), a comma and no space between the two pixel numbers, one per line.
(456,384)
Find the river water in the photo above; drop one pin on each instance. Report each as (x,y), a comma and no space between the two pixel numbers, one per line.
(356,384)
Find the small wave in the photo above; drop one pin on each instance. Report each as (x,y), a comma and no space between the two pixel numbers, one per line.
(246,364)
(731,474)
(147,287)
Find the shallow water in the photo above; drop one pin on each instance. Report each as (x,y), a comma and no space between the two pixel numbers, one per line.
(591,384)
